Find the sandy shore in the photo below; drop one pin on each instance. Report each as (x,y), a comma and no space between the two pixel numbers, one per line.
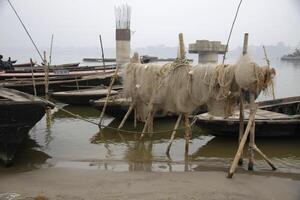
(64,183)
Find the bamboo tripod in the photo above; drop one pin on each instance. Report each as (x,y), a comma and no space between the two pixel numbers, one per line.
(250,131)
(252,146)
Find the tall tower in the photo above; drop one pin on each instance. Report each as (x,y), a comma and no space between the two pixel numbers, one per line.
(123,14)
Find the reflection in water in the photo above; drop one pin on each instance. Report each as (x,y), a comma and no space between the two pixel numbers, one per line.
(139,156)
(28,156)
(48,136)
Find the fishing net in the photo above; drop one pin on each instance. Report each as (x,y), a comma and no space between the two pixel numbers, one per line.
(178,87)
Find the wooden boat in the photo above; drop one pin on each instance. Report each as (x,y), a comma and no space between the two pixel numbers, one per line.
(22,65)
(81,96)
(56,85)
(66,65)
(99,59)
(274,118)
(19,113)
(117,105)
(63,72)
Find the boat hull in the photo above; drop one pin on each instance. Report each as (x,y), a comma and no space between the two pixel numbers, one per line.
(60,85)
(16,119)
(276,128)
(274,118)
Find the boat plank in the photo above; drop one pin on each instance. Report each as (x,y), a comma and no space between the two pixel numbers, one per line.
(12,96)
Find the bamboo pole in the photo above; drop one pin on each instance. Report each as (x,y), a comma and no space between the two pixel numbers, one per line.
(268,63)
(102,52)
(241,128)
(135,119)
(241,93)
(173,134)
(148,126)
(126,116)
(76,82)
(46,72)
(242,143)
(181,47)
(144,129)
(148,123)
(32,76)
(245,45)
(51,45)
(255,148)
(108,94)
(187,133)
(252,135)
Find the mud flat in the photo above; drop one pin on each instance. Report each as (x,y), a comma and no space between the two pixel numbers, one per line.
(66,183)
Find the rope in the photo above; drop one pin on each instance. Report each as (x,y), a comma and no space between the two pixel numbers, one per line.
(110,127)
(231,29)
(26,30)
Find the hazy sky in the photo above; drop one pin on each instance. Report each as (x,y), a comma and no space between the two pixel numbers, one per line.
(79,22)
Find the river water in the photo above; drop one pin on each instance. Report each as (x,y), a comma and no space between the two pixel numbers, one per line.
(60,140)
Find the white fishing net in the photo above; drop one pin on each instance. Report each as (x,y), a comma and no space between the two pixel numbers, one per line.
(178,87)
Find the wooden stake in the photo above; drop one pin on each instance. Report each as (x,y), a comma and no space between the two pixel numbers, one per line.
(51,45)
(242,143)
(148,123)
(108,94)
(255,148)
(181,47)
(76,81)
(144,129)
(245,45)
(126,115)
(252,135)
(187,133)
(242,128)
(173,134)
(46,71)
(241,93)
(135,118)
(102,52)
(32,76)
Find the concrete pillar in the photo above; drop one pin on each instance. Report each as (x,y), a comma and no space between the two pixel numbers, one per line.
(207,50)
(122,46)
(207,58)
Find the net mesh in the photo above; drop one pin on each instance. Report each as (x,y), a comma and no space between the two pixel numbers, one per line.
(178,87)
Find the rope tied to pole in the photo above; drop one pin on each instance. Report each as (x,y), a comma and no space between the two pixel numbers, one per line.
(110,127)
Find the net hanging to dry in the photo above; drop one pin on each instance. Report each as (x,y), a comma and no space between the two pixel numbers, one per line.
(180,88)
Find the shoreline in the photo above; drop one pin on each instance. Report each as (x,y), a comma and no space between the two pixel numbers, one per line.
(70,183)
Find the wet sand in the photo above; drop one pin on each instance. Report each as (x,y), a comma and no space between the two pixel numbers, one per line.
(68,183)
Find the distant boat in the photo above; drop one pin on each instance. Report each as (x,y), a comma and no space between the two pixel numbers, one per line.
(274,118)
(56,84)
(19,113)
(295,56)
